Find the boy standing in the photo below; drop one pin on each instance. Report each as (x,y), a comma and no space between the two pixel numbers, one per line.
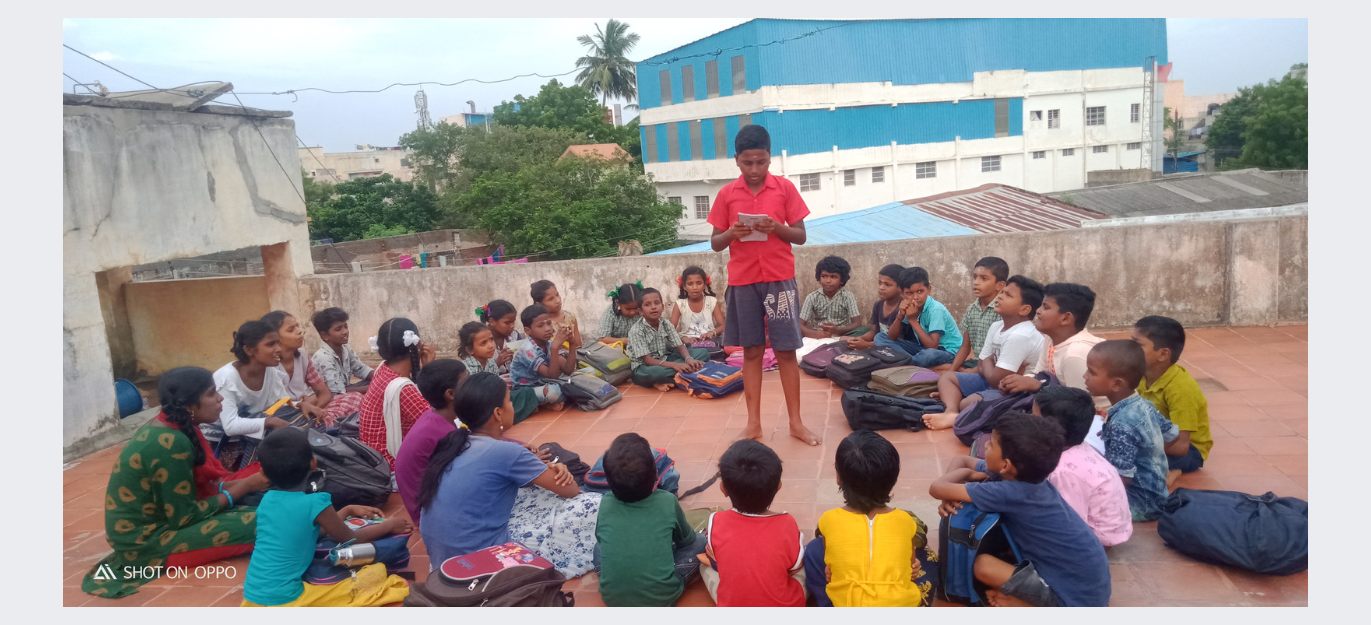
(1062,317)
(883,313)
(1085,480)
(646,552)
(832,310)
(922,328)
(1063,564)
(1012,345)
(987,280)
(1135,434)
(1174,393)
(762,297)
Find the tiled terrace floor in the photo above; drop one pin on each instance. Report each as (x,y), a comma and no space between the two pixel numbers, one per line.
(1260,427)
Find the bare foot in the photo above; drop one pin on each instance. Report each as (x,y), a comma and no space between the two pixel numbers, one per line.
(557,407)
(753,431)
(798,430)
(1171,478)
(1001,600)
(940,421)
(934,395)
(664,387)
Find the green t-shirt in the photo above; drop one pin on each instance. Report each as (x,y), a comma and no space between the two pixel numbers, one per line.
(1179,398)
(637,541)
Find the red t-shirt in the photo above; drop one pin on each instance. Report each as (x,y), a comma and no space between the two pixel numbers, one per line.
(759,261)
(754,555)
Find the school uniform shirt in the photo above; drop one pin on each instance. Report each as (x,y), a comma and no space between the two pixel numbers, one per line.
(1135,437)
(637,544)
(976,322)
(1178,397)
(1012,348)
(771,260)
(614,324)
(883,322)
(512,342)
(644,340)
(755,555)
(243,407)
(1067,362)
(935,318)
(837,310)
(286,536)
(412,459)
(1050,535)
(1091,486)
(337,370)
(474,366)
(475,498)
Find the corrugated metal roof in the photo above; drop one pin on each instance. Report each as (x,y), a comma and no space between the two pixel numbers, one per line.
(1193,193)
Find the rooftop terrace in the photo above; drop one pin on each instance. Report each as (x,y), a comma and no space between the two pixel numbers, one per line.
(1255,378)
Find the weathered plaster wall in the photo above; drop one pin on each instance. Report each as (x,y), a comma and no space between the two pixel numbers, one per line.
(190,323)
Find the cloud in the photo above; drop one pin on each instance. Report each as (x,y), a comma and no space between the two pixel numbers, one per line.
(104,56)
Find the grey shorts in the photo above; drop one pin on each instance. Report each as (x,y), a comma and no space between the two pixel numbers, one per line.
(1027,586)
(761,311)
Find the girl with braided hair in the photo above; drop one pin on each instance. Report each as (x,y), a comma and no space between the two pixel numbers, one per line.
(622,312)
(393,402)
(169,502)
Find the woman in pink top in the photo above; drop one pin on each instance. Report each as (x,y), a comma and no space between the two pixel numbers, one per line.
(1084,478)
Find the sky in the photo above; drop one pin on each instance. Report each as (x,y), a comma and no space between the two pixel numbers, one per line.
(271,55)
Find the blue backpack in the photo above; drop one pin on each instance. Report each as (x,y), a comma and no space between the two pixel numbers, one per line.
(961,537)
(712,381)
(667,478)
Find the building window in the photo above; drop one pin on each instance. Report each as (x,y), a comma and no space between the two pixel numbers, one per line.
(1054,118)
(1069,152)
(1035,116)
(878,174)
(926,170)
(688,83)
(665,77)
(650,145)
(849,177)
(697,146)
(702,207)
(720,137)
(673,143)
(1100,149)
(1094,116)
(1135,113)
(712,79)
(989,164)
(1135,146)
(809,182)
(1038,155)
(404,162)
(1001,117)
(739,75)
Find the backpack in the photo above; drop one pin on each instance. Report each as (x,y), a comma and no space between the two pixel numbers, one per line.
(667,477)
(906,381)
(817,360)
(716,351)
(855,367)
(353,472)
(572,460)
(501,576)
(1264,534)
(868,410)
(712,381)
(961,537)
(588,392)
(610,361)
(392,551)
(982,415)
(768,359)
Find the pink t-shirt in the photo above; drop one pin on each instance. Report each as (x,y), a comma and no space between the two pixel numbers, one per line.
(412,460)
(1091,486)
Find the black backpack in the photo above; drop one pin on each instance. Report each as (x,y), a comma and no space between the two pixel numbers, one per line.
(868,410)
(523,586)
(577,467)
(353,472)
(981,417)
(1264,534)
(851,369)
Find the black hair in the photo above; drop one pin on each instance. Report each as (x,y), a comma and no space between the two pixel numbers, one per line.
(390,343)
(630,468)
(646,292)
(893,272)
(751,137)
(1122,359)
(466,337)
(178,390)
(285,455)
(532,312)
(868,467)
(276,319)
(834,264)
(1033,445)
(249,335)
(1164,332)
(439,377)
(1030,292)
(996,266)
(1072,408)
(474,403)
(1076,299)
(695,271)
(323,320)
(625,294)
(912,276)
(494,310)
(751,472)
(538,290)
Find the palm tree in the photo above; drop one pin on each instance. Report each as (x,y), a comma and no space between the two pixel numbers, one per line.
(606,71)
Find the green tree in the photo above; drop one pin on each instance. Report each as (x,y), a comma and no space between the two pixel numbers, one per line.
(371,206)
(1225,138)
(606,70)
(449,158)
(1176,125)
(1266,126)
(316,192)
(558,106)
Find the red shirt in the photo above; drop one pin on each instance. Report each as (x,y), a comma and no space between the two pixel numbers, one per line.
(759,261)
(754,555)
(372,425)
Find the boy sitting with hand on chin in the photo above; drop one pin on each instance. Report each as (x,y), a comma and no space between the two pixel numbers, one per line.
(922,328)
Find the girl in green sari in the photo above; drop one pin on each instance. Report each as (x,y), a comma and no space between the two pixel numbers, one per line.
(153,516)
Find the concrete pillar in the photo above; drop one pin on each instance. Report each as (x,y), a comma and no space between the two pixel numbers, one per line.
(283,287)
(88,402)
(118,331)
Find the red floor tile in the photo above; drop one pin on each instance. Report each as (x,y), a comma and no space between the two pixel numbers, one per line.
(1281,485)
(1254,428)
(1277,445)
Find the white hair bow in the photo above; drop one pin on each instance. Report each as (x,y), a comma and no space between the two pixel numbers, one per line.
(411,338)
(372,341)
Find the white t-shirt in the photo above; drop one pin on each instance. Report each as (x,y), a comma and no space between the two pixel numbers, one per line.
(296,385)
(1014,347)
(238,398)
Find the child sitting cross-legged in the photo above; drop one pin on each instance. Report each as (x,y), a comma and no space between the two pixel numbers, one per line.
(655,350)
(288,525)
(832,310)
(476,346)
(1062,563)
(884,311)
(646,551)
(697,314)
(922,328)
(1174,393)
(543,358)
(756,552)
(622,312)
(1085,480)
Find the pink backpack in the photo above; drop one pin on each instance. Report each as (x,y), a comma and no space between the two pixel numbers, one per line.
(768,360)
